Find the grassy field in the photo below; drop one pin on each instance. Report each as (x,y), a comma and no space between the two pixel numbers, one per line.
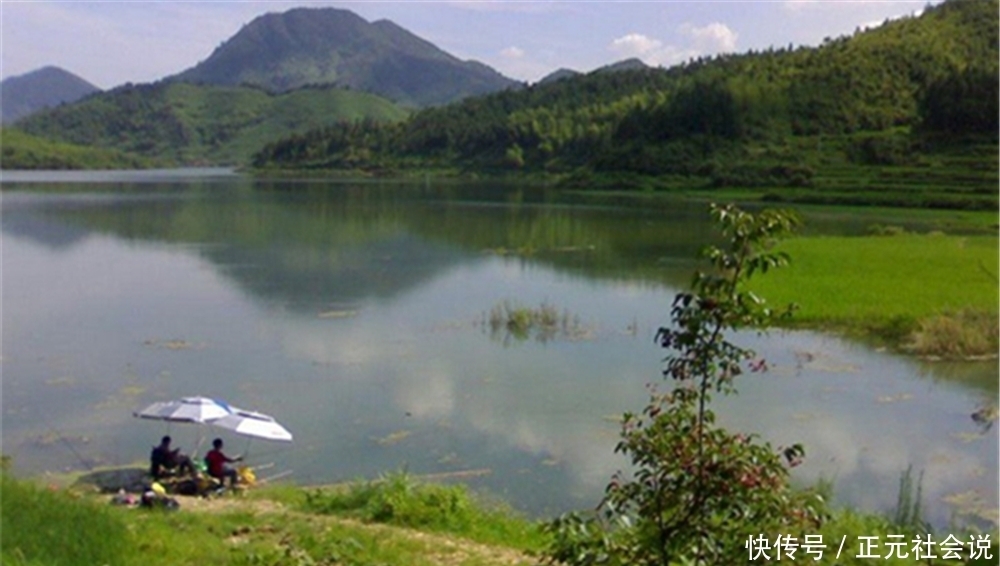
(893,286)
(412,524)
(393,521)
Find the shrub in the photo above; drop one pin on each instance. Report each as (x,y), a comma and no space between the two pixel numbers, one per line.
(697,492)
(880,150)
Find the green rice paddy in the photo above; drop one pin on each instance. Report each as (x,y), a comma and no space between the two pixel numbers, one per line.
(897,281)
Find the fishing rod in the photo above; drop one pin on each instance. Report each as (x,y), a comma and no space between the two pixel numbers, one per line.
(86,463)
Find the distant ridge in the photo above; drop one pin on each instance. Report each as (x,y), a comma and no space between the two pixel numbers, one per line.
(558,75)
(43,88)
(631,64)
(309,46)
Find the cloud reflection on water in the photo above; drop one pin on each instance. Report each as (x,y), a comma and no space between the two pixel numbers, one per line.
(411,364)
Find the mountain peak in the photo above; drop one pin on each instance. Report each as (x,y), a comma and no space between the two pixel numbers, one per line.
(42,88)
(307,46)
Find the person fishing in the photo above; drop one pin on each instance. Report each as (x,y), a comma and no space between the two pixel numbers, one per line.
(216,462)
(163,461)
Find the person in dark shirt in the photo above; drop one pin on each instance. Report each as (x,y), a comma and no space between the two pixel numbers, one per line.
(216,462)
(164,460)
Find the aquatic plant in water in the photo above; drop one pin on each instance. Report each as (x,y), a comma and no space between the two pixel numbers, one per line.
(509,321)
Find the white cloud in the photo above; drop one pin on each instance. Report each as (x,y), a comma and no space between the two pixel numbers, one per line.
(695,41)
(635,45)
(713,38)
(512,52)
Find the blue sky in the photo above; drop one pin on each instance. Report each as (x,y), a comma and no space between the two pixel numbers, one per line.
(113,42)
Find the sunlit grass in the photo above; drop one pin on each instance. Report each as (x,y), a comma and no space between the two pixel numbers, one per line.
(45,526)
(42,526)
(402,500)
(886,284)
(294,525)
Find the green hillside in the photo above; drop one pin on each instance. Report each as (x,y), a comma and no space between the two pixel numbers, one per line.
(906,113)
(186,124)
(19,150)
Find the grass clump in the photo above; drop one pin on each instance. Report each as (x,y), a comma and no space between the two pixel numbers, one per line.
(399,499)
(961,335)
(44,526)
(506,320)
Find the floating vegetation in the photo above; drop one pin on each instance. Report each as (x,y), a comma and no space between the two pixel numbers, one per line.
(338,314)
(393,438)
(967,437)
(124,397)
(973,504)
(894,398)
(449,458)
(52,438)
(507,321)
(821,362)
(173,344)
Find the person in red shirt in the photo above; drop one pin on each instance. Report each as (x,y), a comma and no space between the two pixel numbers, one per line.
(216,462)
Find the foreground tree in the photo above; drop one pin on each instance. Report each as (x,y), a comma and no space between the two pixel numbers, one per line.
(697,492)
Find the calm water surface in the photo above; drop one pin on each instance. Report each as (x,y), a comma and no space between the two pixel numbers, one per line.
(358,316)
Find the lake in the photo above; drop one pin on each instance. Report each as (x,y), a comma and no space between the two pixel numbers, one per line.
(358,314)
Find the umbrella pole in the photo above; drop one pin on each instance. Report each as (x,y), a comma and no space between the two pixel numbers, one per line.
(246,449)
(197,447)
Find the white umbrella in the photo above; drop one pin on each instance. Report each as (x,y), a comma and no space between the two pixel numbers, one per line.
(253,424)
(188,409)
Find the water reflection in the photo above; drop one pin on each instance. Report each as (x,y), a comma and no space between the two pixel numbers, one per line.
(355,316)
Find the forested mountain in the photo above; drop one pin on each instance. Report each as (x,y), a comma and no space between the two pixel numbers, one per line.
(184,124)
(43,88)
(782,117)
(309,46)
